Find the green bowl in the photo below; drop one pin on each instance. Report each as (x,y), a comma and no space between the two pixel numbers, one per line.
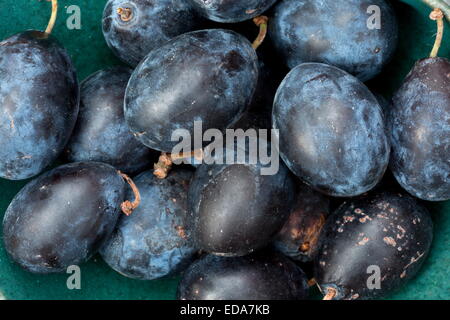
(90,53)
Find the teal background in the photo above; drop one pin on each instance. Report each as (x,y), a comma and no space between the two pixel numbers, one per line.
(90,53)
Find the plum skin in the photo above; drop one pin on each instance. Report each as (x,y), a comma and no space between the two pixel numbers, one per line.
(101,133)
(231,11)
(298,239)
(419,130)
(154,241)
(235,210)
(331,130)
(197,76)
(260,276)
(63,217)
(334,32)
(153,23)
(389,230)
(39,102)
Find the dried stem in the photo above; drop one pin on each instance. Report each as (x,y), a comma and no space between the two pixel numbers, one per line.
(128,206)
(51,22)
(165,162)
(261,22)
(438,16)
(445,7)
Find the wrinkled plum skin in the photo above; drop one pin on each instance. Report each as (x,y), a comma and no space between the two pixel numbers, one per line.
(39,99)
(331,130)
(195,77)
(236,210)
(101,133)
(261,276)
(391,231)
(153,241)
(298,239)
(334,32)
(153,23)
(419,127)
(231,11)
(63,217)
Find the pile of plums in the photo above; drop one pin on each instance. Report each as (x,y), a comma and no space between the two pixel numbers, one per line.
(232,232)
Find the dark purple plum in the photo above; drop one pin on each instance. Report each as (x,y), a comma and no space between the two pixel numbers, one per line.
(231,11)
(237,210)
(385,236)
(39,99)
(298,239)
(63,217)
(153,241)
(197,76)
(335,32)
(331,130)
(261,276)
(419,127)
(132,28)
(101,133)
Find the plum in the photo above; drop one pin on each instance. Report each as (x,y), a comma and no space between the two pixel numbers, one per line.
(372,245)
(331,130)
(343,33)
(261,276)
(419,130)
(101,133)
(197,76)
(236,210)
(132,28)
(39,102)
(63,217)
(154,241)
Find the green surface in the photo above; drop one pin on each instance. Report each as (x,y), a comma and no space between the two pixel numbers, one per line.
(90,53)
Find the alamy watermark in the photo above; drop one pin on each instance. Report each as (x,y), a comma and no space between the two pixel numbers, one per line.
(74,280)
(235,146)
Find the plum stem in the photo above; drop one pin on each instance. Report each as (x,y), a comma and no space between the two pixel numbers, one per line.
(51,22)
(441,5)
(127,206)
(125,14)
(438,16)
(165,162)
(331,293)
(261,22)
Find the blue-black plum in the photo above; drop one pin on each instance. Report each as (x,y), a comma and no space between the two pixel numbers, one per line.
(39,99)
(344,33)
(63,217)
(298,239)
(419,126)
(101,133)
(132,28)
(153,241)
(231,11)
(331,130)
(236,210)
(207,76)
(386,235)
(261,276)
